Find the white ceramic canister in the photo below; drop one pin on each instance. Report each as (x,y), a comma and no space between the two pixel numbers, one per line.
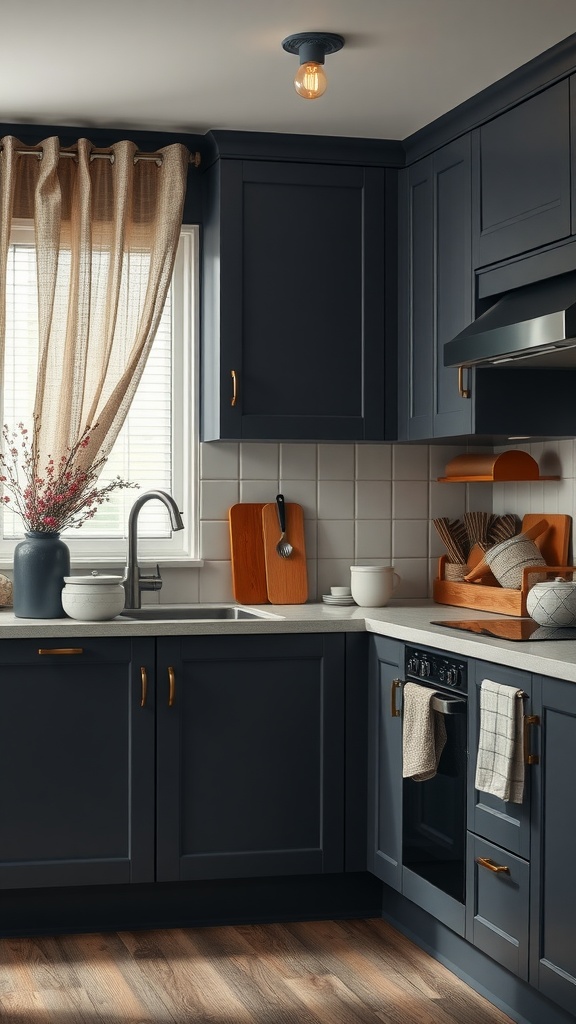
(93,598)
(552,603)
(372,586)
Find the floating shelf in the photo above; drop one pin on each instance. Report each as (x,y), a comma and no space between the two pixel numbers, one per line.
(511,465)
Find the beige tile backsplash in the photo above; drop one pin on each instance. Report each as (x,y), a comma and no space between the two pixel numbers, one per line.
(362,503)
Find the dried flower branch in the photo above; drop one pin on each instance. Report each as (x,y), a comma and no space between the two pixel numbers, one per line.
(61,496)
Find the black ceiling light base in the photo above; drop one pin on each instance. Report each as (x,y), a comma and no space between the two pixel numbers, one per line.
(312,46)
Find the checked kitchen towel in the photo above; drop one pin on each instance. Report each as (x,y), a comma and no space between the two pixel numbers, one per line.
(500,763)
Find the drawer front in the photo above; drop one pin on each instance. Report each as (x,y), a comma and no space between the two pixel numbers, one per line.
(497,911)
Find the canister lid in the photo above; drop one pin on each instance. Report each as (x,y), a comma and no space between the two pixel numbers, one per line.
(94,578)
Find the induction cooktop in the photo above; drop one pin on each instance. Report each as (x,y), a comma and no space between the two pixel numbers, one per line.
(510,629)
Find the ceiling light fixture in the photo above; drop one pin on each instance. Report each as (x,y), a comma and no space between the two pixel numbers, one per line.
(310,81)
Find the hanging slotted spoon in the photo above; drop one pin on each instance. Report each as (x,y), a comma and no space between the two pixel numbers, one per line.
(283,547)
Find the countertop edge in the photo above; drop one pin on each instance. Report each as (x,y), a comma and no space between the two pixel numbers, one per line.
(407,621)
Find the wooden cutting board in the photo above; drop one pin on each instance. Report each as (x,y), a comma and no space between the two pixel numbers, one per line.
(247,553)
(286,578)
(553,542)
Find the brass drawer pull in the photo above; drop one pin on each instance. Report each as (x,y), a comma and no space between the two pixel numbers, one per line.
(396,685)
(528,721)
(144,682)
(60,650)
(462,391)
(171,686)
(234,387)
(485,862)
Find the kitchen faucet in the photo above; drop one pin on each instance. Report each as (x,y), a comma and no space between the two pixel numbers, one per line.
(133,580)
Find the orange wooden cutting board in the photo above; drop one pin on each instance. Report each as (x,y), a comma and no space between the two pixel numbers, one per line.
(553,542)
(247,553)
(286,578)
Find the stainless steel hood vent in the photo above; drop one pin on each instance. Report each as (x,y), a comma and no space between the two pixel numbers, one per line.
(531,326)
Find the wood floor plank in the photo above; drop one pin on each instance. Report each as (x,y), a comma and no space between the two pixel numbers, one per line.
(315,972)
(191,985)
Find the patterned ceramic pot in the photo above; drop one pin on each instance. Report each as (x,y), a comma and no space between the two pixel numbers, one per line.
(553,603)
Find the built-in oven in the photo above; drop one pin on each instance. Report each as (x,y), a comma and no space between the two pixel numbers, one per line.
(434,811)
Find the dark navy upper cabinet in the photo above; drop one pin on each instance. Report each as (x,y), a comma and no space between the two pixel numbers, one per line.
(553,888)
(76,762)
(522,177)
(250,756)
(435,291)
(296,301)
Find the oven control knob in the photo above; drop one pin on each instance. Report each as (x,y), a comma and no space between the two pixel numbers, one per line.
(413,665)
(424,670)
(452,677)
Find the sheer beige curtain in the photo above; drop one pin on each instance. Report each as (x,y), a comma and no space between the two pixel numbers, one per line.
(107,225)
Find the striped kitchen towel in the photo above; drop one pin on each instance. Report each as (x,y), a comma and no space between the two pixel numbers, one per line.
(423,734)
(500,762)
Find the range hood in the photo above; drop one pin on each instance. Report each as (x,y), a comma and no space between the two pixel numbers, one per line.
(532,326)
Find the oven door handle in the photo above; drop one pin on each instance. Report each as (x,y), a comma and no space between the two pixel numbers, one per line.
(448,705)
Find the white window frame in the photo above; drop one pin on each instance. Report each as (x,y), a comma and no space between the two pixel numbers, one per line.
(182,547)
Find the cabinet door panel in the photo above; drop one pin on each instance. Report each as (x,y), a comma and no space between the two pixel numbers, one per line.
(553,908)
(435,291)
(497,908)
(385,763)
(76,763)
(506,824)
(295,264)
(524,177)
(250,758)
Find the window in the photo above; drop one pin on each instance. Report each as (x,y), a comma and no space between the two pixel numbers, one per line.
(157,447)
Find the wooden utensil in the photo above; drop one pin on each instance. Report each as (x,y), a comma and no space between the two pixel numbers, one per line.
(286,578)
(453,535)
(503,527)
(247,553)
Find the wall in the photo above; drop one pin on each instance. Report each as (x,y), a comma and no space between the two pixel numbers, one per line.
(362,503)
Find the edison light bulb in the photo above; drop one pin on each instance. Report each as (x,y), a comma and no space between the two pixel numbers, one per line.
(310,81)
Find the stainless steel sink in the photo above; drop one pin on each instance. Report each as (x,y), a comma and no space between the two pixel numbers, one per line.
(193,613)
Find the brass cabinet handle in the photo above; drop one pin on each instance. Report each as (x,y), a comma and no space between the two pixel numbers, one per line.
(396,685)
(60,650)
(528,721)
(171,686)
(234,387)
(144,682)
(462,391)
(485,862)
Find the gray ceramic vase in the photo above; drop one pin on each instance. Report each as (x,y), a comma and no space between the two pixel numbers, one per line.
(41,561)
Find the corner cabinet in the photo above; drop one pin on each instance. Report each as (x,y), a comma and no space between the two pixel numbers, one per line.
(76,762)
(435,287)
(250,754)
(553,888)
(298,297)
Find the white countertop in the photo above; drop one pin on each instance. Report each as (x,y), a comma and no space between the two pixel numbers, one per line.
(401,620)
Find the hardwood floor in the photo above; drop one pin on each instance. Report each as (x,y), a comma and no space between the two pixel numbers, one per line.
(324,972)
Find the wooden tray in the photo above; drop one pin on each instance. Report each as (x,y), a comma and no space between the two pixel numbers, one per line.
(485,596)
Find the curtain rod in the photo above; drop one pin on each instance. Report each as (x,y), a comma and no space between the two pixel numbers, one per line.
(195,158)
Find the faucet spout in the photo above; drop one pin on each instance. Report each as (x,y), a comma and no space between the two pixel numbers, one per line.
(134,582)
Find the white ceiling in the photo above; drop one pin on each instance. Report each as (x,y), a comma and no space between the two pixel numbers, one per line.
(192,65)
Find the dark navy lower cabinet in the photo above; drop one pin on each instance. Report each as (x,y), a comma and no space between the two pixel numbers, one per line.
(497,905)
(385,762)
(250,756)
(501,822)
(553,895)
(76,762)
